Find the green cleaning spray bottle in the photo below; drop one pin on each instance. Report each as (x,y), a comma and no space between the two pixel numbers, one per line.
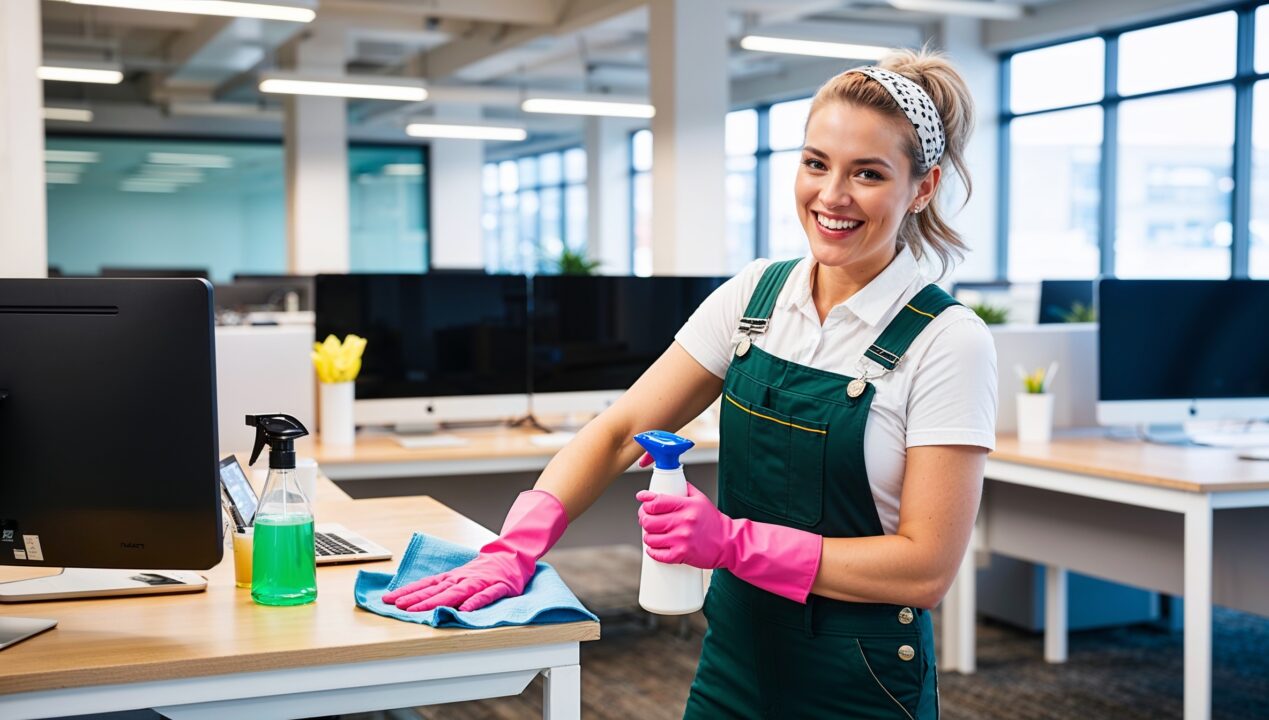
(283,557)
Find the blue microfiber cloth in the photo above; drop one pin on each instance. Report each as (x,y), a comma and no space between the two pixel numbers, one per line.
(545,600)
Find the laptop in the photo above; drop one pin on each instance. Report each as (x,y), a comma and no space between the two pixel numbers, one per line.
(334,542)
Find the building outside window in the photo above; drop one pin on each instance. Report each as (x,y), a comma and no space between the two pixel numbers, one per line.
(534,208)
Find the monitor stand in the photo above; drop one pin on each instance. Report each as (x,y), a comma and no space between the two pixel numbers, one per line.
(1165,434)
(74,583)
(14,630)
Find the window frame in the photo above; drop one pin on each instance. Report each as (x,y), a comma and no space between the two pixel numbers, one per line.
(1243,83)
(537,187)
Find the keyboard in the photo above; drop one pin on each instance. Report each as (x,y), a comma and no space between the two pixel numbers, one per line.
(329,544)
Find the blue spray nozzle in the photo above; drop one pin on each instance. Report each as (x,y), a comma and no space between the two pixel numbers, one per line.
(664,447)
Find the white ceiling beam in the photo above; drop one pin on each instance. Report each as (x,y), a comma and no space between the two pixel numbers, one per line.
(219,49)
(488,41)
(516,12)
(61,12)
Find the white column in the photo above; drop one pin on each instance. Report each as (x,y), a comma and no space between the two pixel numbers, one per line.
(976,222)
(23,226)
(687,49)
(316,148)
(455,196)
(608,192)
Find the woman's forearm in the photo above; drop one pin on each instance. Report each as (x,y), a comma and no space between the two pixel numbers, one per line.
(581,471)
(881,569)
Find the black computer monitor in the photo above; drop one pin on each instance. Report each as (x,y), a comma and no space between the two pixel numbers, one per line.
(1059,298)
(594,333)
(1177,350)
(108,448)
(439,347)
(149,272)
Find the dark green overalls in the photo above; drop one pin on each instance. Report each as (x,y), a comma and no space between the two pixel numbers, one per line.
(792,453)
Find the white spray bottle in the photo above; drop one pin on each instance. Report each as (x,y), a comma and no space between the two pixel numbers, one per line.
(668,589)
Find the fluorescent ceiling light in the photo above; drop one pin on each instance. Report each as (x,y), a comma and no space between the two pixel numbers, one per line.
(561,106)
(970,8)
(68,114)
(789,46)
(170,174)
(71,156)
(144,185)
(466,132)
(402,170)
(61,178)
(191,160)
(79,74)
(222,8)
(347,86)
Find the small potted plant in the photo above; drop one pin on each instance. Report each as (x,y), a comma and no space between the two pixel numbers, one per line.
(337,365)
(1035,404)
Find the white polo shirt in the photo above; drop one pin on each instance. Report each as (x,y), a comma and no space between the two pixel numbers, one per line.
(943,393)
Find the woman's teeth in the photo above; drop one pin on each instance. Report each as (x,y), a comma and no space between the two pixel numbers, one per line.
(832,224)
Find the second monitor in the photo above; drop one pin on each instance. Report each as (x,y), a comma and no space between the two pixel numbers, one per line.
(594,336)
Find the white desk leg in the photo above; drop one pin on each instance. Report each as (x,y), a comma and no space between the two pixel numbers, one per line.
(563,693)
(959,608)
(1198,610)
(1055,615)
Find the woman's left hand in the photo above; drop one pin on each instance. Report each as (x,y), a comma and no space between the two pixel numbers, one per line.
(685,530)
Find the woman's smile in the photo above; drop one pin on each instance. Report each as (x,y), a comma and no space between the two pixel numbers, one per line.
(837,227)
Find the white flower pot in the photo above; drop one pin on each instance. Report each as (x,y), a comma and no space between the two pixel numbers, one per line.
(337,413)
(1035,417)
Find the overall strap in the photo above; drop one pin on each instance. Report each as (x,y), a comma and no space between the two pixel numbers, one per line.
(889,348)
(762,302)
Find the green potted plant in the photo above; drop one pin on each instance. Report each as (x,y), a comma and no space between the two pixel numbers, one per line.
(991,314)
(1079,313)
(575,263)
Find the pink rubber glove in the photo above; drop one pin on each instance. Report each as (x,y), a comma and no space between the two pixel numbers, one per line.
(690,530)
(504,566)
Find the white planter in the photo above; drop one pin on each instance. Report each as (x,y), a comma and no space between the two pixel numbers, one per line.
(337,413)
(1035,417)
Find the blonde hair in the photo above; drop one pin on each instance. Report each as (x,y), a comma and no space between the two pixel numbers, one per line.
(926,232)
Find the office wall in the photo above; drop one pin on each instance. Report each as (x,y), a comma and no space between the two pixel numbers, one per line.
(224,232)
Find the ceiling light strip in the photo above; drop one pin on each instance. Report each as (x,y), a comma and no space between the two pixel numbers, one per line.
(220,8)
(466,132)
(789,46)
(604,108)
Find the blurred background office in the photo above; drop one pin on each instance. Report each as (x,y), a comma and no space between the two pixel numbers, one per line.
(284,143)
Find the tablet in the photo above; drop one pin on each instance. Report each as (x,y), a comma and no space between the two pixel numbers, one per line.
(240,498)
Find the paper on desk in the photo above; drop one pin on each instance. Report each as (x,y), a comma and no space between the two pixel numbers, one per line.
(545,600)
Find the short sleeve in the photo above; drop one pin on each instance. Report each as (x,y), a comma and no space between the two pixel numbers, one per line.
(953,396)
(707,335)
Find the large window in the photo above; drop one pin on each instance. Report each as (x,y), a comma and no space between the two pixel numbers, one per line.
(763,145)
(386,209)
(218,206)
(535,208)
(1122,152)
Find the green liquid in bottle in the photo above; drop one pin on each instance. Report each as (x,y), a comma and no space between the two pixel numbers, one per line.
(283,560)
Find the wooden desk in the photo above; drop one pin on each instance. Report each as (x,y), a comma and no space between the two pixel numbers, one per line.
(217,654)
(1186,521)
(486,451)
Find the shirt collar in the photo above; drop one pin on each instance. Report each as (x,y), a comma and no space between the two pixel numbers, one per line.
(875,299)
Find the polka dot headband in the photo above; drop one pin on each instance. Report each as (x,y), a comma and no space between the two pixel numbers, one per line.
(916,104)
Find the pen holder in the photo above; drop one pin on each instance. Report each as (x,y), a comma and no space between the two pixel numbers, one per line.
(1035,417)
(242,558)
(337,413)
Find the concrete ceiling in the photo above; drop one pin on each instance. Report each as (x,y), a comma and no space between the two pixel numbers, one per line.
(188,64)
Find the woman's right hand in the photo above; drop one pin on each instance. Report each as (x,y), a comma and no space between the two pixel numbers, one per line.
(504,566)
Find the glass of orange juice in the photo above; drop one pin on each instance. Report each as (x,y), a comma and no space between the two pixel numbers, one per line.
(242,557)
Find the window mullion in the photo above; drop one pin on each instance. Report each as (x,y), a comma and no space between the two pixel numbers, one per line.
(762,184)
(1110,160)
(1003,172)
(1240,210)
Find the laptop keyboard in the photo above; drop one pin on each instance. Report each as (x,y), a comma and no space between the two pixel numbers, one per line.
(328,544)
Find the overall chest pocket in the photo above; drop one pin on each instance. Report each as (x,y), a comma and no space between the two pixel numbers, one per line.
(773,462)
